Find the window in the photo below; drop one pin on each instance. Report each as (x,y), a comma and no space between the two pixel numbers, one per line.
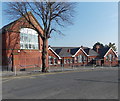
(107,58)
(55,60)
(28,39)
(80,57)
(71,60)
(84,58)
(110,57)
(68,61)
(65,61)
(50,60)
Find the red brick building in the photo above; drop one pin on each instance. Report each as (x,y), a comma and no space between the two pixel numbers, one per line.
(54,60)
(107,57)
(22,49)
(81,56)
(21,45)
(71,56)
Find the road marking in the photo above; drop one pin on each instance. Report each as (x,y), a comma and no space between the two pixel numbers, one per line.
(28,76)
(49,73)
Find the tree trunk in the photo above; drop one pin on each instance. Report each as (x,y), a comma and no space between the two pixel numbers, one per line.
(44,55)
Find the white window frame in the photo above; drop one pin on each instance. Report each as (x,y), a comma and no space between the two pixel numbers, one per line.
(29,38)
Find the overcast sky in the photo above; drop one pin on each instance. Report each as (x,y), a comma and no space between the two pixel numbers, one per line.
(93,22)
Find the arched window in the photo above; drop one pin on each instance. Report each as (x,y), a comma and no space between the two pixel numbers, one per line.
(28,39)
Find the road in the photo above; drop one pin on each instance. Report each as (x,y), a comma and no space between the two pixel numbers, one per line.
(101,84)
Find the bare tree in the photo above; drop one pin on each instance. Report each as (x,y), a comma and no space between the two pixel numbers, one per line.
(51,14)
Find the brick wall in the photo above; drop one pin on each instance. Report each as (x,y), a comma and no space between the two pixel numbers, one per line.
(11,47)
(114,61)
(50,53)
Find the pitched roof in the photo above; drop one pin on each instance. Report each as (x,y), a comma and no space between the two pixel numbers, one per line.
(64,51)
(6,27)
(71,51)
(54,52)
(90,51)
(103,51)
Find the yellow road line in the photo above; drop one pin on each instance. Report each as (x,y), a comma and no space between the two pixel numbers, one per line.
(39,74)
(49,73)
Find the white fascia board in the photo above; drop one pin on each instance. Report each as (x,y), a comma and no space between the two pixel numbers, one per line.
(82,51)
(54,52)
(112,50)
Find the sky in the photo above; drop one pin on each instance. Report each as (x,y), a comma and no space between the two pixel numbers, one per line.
(93,22)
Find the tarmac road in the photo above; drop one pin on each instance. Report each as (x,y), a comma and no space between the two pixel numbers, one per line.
(98,84)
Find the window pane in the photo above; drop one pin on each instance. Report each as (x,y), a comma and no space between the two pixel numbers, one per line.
(29,38)
(29,46)
(26,46)
(21,37)
(21,46)
(33,46)
(25,38)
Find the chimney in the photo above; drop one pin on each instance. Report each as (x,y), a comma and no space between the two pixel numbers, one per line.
(97,48)
(82,47)
(68,50)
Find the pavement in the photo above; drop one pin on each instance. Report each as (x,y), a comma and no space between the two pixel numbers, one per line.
(51,70)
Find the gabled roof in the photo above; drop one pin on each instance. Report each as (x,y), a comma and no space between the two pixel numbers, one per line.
(54,52)
(72,51)
(78,51)
(64,51)
(90,52)
(110,48)
(6,27)
(103,51)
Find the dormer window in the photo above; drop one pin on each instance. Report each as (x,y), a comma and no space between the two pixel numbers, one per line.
(28,39)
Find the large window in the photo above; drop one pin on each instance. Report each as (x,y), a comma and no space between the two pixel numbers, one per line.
(28,39)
